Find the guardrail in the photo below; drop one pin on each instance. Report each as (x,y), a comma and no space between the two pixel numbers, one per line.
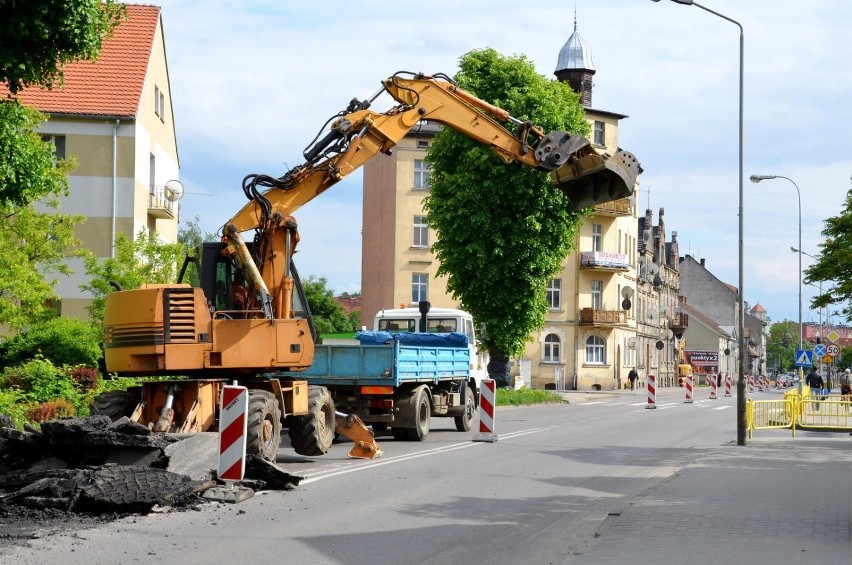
(830,413)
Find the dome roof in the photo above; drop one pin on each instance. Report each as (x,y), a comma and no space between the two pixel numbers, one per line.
(575,54)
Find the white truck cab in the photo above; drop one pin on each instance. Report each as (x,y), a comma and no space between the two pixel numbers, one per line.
(438,320)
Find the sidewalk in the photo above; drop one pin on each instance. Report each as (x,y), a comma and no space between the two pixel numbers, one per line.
(752,504)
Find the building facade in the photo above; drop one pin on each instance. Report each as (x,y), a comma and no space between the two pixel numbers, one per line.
(115,116)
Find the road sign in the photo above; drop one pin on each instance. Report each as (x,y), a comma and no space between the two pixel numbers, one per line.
(832,337)
(827,359)
(804,358)
(819,350)
(833,349)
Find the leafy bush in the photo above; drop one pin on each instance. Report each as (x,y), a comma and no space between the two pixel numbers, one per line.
(51,410)
(87,378)
(40,381)
(13,403)
(63,341)
(525,396)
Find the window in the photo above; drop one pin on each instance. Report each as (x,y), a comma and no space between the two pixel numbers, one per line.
(162,113)
(599,133)
(595,350)
(597,295)
(554,294)
(157,100)
(422,143)
(421,174)
(152,171)
(58,142)
(421,232)
(159,103)
(550,354)
(419,287)
(597,237)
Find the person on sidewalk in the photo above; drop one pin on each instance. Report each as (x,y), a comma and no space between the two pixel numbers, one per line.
(814,380)
(633,376)
(846,387)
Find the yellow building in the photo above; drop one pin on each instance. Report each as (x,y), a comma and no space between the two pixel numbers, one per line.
(115,116)
(586,340)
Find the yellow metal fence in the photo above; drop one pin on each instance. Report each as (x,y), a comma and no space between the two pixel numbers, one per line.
(831,413)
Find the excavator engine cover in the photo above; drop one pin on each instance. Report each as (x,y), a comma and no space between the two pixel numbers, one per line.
(589,178)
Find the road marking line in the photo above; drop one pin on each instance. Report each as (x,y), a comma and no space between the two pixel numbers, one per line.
(398,459)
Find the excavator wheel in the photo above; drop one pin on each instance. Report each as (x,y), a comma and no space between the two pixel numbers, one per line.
(264,425)
(313,433)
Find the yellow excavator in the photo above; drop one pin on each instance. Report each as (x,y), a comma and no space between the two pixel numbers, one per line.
(246,318)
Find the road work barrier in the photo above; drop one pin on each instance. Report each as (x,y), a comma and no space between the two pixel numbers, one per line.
(713,384)
(651,387)
(487,402)
(687,384)
(829,413)
(727,386)
(233,424)
(751,384)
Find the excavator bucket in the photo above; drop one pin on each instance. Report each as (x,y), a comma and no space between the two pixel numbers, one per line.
(352,427)
(584,175)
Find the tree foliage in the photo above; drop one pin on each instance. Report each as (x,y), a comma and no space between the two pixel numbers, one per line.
(62,341)
(781,346)
(503,230)
(42,36)
(834,264)
(143,260)
(327,313)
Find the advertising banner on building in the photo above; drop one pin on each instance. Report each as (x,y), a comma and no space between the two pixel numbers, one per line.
(703,362)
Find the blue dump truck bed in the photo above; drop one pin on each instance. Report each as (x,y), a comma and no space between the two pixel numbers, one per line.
(389,364)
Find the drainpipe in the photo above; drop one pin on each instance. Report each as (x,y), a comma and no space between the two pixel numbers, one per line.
(114,185)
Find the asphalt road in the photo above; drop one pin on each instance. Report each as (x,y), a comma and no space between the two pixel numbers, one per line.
(558,476)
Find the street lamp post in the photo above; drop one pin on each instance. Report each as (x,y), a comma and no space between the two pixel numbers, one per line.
(741,385)
(756,179)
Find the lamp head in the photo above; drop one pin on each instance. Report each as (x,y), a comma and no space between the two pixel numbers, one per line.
(757,178)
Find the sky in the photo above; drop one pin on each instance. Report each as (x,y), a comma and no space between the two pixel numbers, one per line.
(253,81)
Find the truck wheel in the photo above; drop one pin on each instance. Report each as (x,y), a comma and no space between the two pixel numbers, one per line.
(115,404)
(464,422)
(313,433)
(422,413)
(264,425)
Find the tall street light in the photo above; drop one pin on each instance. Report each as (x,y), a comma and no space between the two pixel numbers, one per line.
(756,179)
(741,386)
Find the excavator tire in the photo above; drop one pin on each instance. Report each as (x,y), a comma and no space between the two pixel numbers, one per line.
(264,425)
(115,404)
(313,433)
(465,421)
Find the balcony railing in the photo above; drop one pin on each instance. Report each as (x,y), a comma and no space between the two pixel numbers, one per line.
(620,207)
(604,260)
(158,205)
(593,317)
(679,322)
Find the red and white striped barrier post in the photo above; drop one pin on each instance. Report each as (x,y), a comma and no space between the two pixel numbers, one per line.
(713,384)
(728,385)
(487,401)
(233,429)
(651,387)
(687,384)
(760,383)
(751,384)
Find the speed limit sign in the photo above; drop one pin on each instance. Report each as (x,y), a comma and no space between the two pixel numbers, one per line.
(832,349)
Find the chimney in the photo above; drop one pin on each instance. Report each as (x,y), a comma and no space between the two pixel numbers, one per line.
(702,262)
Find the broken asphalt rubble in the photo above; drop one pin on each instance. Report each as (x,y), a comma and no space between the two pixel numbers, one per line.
(95,465)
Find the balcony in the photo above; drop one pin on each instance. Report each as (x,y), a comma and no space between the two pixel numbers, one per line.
(679,322)
(604,261)
(620,207)
(159,206)
(602,318)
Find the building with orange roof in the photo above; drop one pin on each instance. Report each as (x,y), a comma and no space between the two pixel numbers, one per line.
(115,116)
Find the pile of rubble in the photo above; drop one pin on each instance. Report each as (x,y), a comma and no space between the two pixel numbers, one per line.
(94,465)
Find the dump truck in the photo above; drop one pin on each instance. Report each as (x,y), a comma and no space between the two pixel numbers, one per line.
(238,312)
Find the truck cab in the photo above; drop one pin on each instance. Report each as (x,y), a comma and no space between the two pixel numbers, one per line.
(438,320)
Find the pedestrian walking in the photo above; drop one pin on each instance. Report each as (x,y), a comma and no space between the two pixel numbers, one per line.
(814,380)
(846,388)
(633,376)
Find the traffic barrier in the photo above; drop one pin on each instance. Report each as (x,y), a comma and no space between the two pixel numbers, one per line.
(687,384)
(651,387)
(751,384)
(487,401)
(728,385)
(760,383)
(713,384)
(233,429)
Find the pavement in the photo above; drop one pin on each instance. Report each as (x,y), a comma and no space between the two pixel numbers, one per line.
(777,499)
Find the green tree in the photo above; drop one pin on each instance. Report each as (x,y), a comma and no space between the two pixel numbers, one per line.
(781,345)
(327,313)
(191,235)
(503,230)
(143,260)
(41,36)
(834,264)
